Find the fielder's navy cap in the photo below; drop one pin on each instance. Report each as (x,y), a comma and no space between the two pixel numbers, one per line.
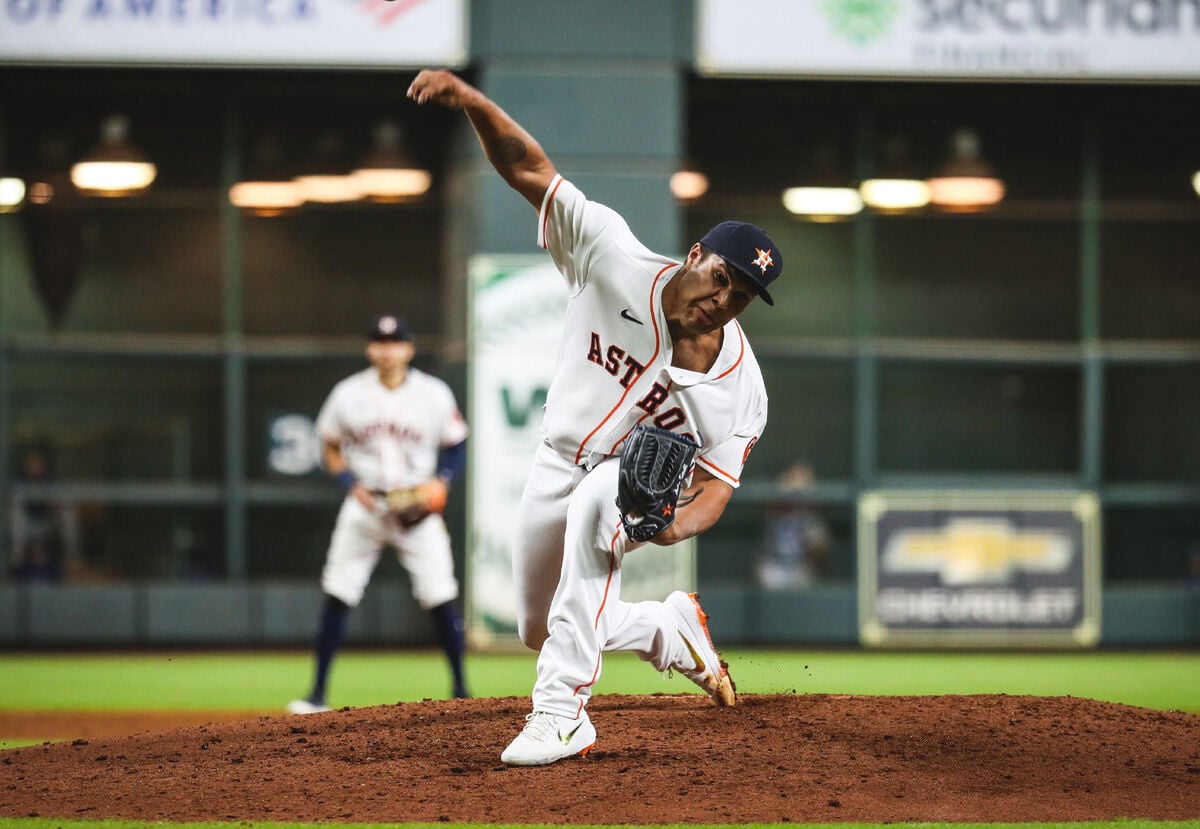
(389,329)
(749,249)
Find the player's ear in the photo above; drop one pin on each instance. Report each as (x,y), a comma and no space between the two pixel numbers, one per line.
(695,254)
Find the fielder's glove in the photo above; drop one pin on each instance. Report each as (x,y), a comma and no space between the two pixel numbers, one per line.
(412,504)
(654,464)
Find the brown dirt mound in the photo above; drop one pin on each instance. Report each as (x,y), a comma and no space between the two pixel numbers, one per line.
(658,759)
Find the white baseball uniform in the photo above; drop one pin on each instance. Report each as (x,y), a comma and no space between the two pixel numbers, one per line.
(614,371)
(390,439)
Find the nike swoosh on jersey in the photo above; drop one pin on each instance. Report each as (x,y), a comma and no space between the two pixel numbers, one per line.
(626,315)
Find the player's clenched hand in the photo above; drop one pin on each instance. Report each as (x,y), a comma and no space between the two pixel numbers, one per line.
(440,86)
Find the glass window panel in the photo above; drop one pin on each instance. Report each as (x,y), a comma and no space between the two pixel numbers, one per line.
(289,541)
(733,551)
(295,390)
(1160,543)
(1030,135)
(1148,278)
(977,278)
(815,295)
(53,118)
(1150,423)
(148,262)
(1148,144)
(788,134)
(137,542)
(810,418)
(149,270)
(114,268)
(978,419)
(328,271)
(109,418)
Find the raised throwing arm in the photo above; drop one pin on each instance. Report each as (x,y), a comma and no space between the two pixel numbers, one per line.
(516,155)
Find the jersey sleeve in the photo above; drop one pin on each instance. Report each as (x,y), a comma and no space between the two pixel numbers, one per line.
(454,426)
(575,230)
(726,460)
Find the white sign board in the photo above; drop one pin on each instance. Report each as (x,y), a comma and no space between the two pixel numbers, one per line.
(517,307)
(331,33)
(1068,39)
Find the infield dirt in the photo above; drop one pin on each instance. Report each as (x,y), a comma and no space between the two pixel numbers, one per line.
(671,758)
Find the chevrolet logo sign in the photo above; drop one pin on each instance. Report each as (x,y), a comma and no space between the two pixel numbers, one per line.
(977,551)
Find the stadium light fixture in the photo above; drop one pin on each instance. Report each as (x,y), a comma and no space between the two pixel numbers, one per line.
(965,183)
(266,198)
(895,187)
(268,189)
(688,183)
(388,174)
(116,166)
(12,194)
(823,203)
(895,195)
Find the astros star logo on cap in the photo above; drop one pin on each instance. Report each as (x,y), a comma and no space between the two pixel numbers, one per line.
(387,325)
(764,259)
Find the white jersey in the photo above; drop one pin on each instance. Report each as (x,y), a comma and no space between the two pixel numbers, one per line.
(390,438)
(614,363)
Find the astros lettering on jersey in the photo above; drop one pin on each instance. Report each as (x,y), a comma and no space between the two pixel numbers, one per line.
(614,367)
(390,437)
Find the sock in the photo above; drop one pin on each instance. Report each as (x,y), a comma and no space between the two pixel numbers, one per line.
(451,633)
(329,639)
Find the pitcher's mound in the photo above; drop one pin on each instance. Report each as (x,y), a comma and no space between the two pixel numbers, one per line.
(658,759)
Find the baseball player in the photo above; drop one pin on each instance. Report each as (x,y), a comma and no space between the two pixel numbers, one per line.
(393,437)
(648,340)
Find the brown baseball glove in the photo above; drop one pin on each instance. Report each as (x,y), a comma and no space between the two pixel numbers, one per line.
(412,504)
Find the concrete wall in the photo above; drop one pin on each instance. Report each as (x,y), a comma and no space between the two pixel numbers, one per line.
(284,614)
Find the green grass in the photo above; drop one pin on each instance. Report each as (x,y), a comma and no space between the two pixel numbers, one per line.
(265,681)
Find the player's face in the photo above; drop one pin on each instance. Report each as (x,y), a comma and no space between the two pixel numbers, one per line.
(712,292)
(388,356)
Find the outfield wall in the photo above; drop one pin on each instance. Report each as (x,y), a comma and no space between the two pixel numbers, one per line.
(274,614)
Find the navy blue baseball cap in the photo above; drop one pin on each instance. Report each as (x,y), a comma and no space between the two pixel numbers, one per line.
(749,249)
(389,329)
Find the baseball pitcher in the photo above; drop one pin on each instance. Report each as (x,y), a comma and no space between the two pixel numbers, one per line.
(655,404)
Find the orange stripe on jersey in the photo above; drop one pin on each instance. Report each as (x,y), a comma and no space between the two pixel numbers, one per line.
(714,467)
(546,216)
(650,362)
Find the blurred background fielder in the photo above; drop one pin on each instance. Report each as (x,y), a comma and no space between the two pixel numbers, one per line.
(393,437)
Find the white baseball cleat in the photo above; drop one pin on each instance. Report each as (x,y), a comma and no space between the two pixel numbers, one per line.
(548,738)
(303,706)
(701,662)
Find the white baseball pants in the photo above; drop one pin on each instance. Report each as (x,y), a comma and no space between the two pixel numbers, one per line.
(358,540)
(567,570)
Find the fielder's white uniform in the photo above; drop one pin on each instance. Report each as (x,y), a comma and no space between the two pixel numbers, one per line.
(614,371)
(390,439)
